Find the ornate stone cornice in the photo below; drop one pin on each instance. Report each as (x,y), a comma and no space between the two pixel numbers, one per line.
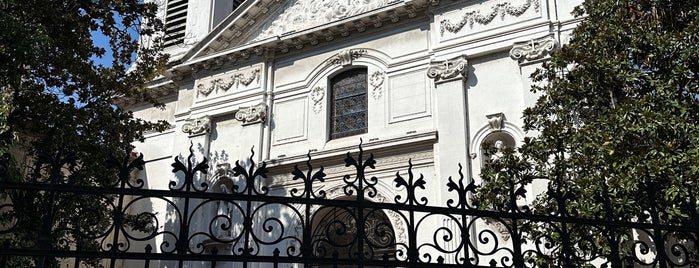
(533,49)
(485,17)
(448,69)
(345,57)
(197,126)
(252,114)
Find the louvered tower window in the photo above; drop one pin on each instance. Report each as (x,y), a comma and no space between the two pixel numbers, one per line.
(175,22)
(348,103)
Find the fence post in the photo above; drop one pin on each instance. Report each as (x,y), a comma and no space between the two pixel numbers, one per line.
(650,188)
(611,234)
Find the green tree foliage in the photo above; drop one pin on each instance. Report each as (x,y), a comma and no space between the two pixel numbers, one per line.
(617,124)
(61,108)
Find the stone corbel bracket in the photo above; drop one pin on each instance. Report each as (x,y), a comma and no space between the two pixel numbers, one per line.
(196,127)
(252,115)
(533,49)
(454,68)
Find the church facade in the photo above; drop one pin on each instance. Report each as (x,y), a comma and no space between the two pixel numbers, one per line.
(430,81)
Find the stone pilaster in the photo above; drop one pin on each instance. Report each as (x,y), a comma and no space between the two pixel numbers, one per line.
(452,118)
(198,131)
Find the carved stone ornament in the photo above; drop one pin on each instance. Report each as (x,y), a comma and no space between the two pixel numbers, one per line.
(376,80)
(496,121)
(451,68)
(499,227)
(486,17)
(235,81)
(345,57)
(317,96)
(252,114)
(197,126)
(298,15)
(533,49)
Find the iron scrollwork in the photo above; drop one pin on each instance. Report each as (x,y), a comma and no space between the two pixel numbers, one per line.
(246,221)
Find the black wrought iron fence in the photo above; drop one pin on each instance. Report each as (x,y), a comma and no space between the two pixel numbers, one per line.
(242,220)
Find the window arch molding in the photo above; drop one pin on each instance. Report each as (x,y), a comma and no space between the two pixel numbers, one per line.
(319,84)
(486,133)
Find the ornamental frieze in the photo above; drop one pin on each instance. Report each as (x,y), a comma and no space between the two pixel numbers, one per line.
(235,81)
(486,16)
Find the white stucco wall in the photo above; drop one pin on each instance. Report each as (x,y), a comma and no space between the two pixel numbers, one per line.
(438,122)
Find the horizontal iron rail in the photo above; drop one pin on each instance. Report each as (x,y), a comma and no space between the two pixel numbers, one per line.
(219,258)
(271,199)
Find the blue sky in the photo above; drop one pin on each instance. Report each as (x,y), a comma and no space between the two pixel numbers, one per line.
(101,40)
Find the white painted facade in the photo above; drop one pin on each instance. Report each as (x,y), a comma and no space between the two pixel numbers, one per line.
(443,77)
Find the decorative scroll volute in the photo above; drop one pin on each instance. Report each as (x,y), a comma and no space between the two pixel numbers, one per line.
(533,49)
(448,69)
(197,126)
(252,114)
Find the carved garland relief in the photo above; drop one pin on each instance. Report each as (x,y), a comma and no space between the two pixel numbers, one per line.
(317,96)
(235,80)
(502,9)
(376,80)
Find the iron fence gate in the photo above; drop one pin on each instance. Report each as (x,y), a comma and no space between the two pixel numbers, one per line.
(242,221)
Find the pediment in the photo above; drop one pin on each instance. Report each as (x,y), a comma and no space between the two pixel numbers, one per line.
(263,21)
(299,15)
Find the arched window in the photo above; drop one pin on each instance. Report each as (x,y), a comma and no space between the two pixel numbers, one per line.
(348,103)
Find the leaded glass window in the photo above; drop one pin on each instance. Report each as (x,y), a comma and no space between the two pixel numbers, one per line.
(348,104)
